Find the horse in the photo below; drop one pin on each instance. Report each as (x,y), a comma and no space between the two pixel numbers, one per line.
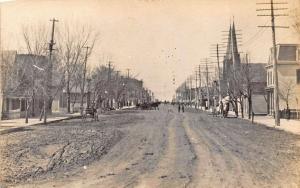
(90,112)
(155,105)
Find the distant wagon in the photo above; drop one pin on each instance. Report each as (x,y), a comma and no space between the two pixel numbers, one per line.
(148,106)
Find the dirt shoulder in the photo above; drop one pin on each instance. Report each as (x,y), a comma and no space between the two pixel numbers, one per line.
(58,149)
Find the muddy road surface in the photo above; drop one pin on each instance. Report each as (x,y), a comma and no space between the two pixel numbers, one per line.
(150,149)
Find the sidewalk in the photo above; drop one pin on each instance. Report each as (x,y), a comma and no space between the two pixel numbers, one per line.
(11,125)
(292,126)
(127,107)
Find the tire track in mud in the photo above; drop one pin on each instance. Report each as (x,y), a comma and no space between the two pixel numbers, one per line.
(203,173)
(223,134)
(174,168)
(254,151)
(137,154)
(222,169)
(150,150)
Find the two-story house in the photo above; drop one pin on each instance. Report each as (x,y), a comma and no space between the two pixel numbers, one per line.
(288,68)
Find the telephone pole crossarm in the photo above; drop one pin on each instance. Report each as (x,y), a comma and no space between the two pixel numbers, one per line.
(273,15)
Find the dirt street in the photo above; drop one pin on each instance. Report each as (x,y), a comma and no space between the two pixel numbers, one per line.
(147,149)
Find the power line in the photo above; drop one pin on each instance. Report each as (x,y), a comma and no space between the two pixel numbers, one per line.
(254,37)
(273,15)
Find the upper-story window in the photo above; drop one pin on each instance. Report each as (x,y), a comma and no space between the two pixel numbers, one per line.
(298,76)
(270,80)
(287,53)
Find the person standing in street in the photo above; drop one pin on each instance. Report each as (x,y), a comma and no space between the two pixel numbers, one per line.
(221,108)
(179,108)
(182,108)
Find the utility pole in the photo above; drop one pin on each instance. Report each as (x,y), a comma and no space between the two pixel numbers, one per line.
(128,73)
(191,87)
(275,72)
(109,71)
(109,84)
(127,80)
(185,91)
(207,88)
(83,79)
(188,90)
(216,55)
(196,89)
(48,83)
(207,80)
(219,73)
(249,89)
(117,89)
(200,93)
(52,43)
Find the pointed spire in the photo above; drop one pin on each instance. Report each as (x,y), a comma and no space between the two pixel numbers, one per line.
(232,56)
(234,39)
(235,53)
(228,50)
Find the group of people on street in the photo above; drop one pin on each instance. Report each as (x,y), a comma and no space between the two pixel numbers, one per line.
(223,109)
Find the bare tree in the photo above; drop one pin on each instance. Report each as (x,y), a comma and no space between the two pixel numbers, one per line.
(72,39)
(68,57)
(286,91)
(246,88)
(99,85)
(105,89)
(35,39)
(235,90)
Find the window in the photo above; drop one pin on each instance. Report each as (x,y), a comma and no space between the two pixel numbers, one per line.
(15,104)
(23,105)
(270,78)
(287,53)
(298,76)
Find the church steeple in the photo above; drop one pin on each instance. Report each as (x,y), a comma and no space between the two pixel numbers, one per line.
(234,40)
(232,52)
(236,61)
(232,58)
(228,50)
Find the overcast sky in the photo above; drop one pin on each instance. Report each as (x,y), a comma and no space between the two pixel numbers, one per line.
(154,38)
